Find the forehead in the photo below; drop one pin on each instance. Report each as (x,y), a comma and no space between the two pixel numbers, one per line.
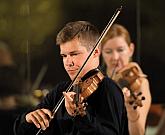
(115,42)
(72,46)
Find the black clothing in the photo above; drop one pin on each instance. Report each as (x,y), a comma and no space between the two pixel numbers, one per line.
(106,114)
(7,118)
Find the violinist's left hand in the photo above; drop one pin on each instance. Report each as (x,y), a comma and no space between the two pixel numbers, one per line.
(127,97)
(133,114)
(133,101)
(70,105)
(69,102)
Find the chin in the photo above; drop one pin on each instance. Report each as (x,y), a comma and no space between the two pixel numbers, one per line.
(72,77)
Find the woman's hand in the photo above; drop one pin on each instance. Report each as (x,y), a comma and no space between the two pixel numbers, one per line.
(133,114)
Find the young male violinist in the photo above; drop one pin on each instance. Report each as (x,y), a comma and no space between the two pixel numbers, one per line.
(104,113)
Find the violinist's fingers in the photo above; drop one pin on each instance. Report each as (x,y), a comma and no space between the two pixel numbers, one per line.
(82,109)
(84,105)
(69,102)
(32,119)
(48,112)
(43,122)
(126,92)
(81,99)
(127,97)
(39,117)
(69,96)
(45,115)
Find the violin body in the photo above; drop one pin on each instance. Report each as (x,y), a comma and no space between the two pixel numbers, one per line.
(91,84)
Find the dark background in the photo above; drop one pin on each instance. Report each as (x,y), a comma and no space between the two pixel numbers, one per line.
(145,22)
(29,28)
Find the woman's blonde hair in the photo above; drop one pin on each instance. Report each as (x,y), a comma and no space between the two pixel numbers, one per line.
(115,31)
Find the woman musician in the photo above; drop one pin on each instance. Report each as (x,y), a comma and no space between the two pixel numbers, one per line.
(117,51)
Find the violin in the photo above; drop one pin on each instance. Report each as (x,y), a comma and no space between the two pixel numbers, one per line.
(88,85)
(131,77)
(91,82)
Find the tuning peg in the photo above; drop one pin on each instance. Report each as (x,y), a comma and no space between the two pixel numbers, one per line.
(140,93)
(143,98)
(85,104)
(131,102)
(134,107)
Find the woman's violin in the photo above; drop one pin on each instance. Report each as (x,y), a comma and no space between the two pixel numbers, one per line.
(131,77)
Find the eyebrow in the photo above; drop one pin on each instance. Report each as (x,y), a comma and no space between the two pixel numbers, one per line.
(73,52)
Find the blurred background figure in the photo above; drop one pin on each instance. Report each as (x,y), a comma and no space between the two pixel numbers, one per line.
(10,79)
(5,55)
(117,52)
(11,84)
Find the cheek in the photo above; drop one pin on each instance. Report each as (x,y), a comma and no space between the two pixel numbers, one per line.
(125,59)
(106,57)
(79,61)
(63,62)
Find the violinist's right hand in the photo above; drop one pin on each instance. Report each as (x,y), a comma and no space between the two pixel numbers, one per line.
(40,118)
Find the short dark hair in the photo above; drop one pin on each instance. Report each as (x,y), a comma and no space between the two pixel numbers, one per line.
(87,33)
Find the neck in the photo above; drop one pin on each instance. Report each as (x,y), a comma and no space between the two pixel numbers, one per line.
(110,73)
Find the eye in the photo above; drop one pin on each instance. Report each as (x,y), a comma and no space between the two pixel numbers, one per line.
(120,49)
(75,54)
(63,55)
(108,51)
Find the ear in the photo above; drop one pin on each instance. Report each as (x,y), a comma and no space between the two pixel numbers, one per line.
(97,52)
(132,47)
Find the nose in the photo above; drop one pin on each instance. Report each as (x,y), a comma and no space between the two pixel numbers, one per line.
(115,55)
(69,61)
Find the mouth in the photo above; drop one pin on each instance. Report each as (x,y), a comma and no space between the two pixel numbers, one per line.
(115,65)
(72,72)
